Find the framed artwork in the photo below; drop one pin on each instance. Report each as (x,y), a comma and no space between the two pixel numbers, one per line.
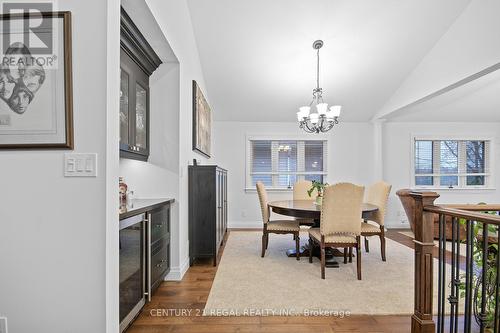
(35,81)
(202,122)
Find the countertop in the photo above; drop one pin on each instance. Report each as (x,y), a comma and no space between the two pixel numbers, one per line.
(139,206)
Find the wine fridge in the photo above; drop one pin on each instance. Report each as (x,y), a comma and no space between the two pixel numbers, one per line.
(132,268)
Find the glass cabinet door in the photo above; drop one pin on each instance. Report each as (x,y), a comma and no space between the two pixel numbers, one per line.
(141,105)
(134,110)
(124,112)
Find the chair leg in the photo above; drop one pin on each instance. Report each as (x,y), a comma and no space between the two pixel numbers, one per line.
(297,246)
(358,256)
(382,242)
(267,240)
(264,242)
(367,246)
(350,254)
(345,255)
(323,262)
(310,250)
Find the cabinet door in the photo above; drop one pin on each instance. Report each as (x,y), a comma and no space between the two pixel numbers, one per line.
(224,201)
(160,223)
(134,110)
(124,109)
(141,117)
(218,210)
(221,196)
(159,261)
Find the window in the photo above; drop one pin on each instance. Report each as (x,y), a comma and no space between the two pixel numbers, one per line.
(281,163)
(451,163)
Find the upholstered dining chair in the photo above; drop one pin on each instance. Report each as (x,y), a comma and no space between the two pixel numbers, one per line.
(276,226)
(340,222)
(300,189)
(377,194)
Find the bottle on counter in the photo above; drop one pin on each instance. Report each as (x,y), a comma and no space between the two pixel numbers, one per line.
(123,191)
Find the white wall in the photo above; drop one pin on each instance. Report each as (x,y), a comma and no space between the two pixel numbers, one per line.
(174,19)
(53,229)
(397,141)
(159,176)
(350,157)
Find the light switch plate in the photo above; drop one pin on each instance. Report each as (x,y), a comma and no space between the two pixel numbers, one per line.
(3,325)
(80,165)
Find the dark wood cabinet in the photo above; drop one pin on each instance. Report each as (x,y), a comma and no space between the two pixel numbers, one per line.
(207,211)
(159,243)
(137,62)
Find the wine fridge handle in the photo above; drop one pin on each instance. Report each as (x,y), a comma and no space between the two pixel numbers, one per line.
(148,258)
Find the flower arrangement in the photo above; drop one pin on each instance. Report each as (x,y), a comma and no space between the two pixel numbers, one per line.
(319,187)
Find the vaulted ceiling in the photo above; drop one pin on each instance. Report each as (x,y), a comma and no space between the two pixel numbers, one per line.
(259,64)
(477,100)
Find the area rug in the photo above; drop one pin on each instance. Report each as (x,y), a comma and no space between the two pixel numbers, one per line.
(246,284)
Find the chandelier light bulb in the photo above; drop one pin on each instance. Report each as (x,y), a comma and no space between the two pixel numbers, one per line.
(304,111)
(299,116)
(322,108)
(335,109)
(314,118)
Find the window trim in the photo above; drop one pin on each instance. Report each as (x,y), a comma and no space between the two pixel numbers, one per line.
(491,163)
(277,137)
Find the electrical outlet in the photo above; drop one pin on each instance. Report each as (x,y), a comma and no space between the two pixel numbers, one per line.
(243,213)
(3,324)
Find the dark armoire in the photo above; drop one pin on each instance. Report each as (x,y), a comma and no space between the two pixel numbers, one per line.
(207,211)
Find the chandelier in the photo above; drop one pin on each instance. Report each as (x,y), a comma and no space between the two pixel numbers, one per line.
(323,119)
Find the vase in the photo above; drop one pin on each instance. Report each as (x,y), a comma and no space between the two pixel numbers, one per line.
(319,200)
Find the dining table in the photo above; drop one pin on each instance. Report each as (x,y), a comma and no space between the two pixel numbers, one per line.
(309,209)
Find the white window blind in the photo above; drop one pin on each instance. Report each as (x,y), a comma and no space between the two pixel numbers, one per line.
(281,163)
(451,163)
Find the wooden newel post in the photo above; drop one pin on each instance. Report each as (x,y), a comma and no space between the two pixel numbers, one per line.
(423,228)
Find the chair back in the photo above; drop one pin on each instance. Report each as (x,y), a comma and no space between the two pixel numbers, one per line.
(377,194)
(300,189)
(261,191)
(342,209)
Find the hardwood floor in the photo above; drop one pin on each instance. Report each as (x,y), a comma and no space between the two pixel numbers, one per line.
(177,307)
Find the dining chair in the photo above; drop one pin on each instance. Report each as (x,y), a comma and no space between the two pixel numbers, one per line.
(300,189)
(276,226)
(340,224)
(377,194)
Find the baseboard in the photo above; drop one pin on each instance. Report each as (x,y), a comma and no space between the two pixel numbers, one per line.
(244,224)
(177,273)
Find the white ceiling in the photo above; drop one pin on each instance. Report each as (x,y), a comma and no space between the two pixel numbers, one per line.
(478,100)
(259,64)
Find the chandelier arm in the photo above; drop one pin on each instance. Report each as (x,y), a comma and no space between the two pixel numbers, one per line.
(321,123)
(302,125)
(329,126)
(308,127)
